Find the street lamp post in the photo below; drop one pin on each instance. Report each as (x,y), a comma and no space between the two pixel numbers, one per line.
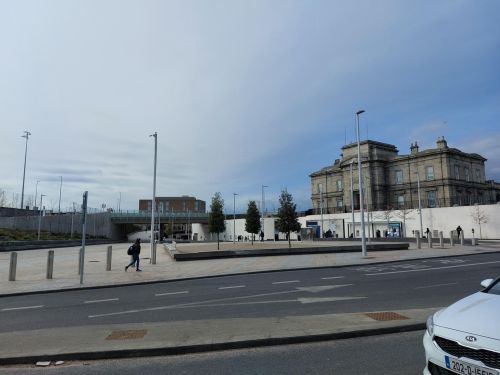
(419,203)
(234,216)
(36,190)
(26,135)
(352,197)
(263,207)
(40,217)
(60,191)
(153,202)
(363,237)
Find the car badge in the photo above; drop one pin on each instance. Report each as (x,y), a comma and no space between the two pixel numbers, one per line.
(471,338)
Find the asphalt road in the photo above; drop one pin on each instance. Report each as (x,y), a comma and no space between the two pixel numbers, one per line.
(402,285)
(393,354)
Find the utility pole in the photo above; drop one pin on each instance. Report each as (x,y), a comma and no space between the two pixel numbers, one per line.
(60,191)
(153,202)
(234,216)
(362,213)
(26,135)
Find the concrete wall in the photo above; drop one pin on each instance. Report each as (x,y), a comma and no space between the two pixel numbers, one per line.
(97,224)
(443,219)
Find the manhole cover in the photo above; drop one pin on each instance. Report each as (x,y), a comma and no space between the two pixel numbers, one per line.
(127,335)
(385,316)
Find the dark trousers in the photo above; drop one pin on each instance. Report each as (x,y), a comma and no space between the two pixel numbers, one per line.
(135,259)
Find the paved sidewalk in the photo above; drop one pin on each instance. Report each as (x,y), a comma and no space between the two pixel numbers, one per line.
(144,339)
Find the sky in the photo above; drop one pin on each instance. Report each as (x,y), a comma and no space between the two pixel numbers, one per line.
(241,93)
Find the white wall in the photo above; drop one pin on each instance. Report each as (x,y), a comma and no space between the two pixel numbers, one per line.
(443,219)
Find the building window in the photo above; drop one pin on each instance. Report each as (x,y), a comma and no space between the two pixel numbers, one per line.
(149,206)
(167,205)
(340,203)
(196,206)
(466,174)
(401,200)
(339,185)
(161,207)
(478,175)
(320,188)
(431,199)
(399,177)
(457,172)
(429,173)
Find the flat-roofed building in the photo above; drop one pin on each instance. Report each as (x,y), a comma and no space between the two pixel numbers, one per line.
(184,203)
(447,177)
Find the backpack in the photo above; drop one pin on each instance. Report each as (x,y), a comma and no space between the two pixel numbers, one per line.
(130,250)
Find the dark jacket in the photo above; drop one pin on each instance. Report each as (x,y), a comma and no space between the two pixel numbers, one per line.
(136,249)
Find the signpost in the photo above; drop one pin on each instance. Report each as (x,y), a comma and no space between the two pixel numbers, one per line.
(84,224)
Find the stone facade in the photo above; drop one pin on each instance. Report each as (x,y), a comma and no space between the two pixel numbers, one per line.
(447,177)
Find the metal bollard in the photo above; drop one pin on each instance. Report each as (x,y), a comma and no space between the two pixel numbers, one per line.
(80,260)
(451,239)
(153,256)
(50,264)
(108,258)
(441,240)
(13,266)
(429,240)
(418,239)
(462,238)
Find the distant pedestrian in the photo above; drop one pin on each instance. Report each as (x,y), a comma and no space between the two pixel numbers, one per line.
(459,231)
(261,236)
(134,250)
(427,232)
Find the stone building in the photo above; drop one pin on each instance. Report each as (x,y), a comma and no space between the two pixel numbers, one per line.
(447,177)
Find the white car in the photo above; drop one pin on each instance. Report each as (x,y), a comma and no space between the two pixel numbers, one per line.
(464,338)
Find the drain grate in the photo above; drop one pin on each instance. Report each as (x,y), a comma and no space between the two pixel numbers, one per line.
(386,315)
(127,335)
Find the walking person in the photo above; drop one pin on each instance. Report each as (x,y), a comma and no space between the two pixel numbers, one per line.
(459,230)
(134,250)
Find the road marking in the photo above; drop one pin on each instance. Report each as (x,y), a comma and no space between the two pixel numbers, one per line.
(436,285)
(22,308)
(286,282)
(432,269)
(170,293)
(332,277)
(326,299)
(102,300)
(232,287)
(321,288)
(213,301)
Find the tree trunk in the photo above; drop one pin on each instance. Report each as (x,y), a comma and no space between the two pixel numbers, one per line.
(217,240)
(253,236)
(289,243)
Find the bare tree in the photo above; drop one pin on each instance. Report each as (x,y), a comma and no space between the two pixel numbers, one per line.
(3,198)
(479,217)
(404,213)
(386,215)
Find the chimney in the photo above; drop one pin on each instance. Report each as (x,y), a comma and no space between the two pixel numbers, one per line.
(441,143)
(414,148)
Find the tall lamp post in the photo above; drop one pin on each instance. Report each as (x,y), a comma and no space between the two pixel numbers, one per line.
(419,203)
(234,216)
(36,190)
(321,209)
(153,202)
(362,213)
(352,197)
(60,191)
(26,135)
(40,217)
(263,207)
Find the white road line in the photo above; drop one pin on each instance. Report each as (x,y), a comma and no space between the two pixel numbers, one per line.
(286,282)
(102,300)
(22,308)
(232,287)
(332,277)
(432,269)
(170,293)
(436,285)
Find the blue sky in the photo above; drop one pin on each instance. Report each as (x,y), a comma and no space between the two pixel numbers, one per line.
(241,93)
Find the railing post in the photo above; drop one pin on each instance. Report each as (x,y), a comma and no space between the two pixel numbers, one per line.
(441,239)
(418,239)
(108,258)
(451,239)
(50,264)
(13,266)
(429,240)
(462,238)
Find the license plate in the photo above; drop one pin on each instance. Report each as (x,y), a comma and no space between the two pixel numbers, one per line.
(461,367)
